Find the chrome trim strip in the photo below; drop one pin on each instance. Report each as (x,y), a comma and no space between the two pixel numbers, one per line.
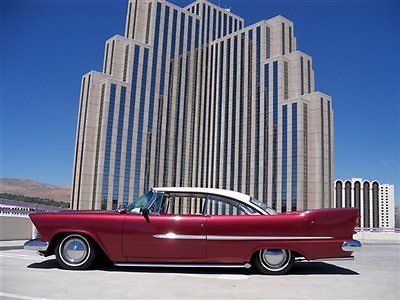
(353,245)
(334,258)
(36,245)
(251,238)
(183,265)
(174,236)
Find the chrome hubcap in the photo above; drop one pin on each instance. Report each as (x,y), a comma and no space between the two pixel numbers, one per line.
(75,250)
(274,258)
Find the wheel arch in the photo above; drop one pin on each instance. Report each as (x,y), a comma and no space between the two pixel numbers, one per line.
(296,252)
(57,237)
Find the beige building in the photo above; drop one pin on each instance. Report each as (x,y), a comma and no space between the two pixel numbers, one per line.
(193,97)
(375,201)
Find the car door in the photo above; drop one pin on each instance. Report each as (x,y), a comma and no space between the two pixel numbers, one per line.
(228,222)
(174,229)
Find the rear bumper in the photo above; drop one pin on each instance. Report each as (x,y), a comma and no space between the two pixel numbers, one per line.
(352,245)
(36,245)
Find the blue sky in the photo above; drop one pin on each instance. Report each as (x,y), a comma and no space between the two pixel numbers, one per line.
(46,46)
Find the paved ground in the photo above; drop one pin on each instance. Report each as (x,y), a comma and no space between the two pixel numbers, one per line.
(375,274)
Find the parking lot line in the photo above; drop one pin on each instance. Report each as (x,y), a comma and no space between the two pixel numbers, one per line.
(20,256)
(15,296)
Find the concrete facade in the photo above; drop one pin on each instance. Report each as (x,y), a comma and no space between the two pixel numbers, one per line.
(191,97)
(375,201)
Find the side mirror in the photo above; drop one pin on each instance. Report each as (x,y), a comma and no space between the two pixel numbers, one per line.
(145,213)
(122,209)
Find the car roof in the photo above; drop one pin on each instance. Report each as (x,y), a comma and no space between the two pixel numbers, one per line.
(220,192)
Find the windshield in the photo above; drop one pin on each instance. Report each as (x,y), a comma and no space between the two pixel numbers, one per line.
(141,202)
(263,206)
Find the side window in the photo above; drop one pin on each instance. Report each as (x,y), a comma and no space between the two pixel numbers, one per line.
(221,206)
(182,204)
(155,207)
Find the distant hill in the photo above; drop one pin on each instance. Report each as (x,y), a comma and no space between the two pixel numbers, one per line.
(32,188)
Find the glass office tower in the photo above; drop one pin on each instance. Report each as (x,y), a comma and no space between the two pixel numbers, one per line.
(193,97)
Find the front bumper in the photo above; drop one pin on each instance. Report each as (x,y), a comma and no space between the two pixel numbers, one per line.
(352,245)
(36,245)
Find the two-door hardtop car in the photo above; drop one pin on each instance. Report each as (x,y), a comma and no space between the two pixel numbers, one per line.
(196,227)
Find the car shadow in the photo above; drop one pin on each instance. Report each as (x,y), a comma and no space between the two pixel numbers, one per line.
(320,268)
(302,268)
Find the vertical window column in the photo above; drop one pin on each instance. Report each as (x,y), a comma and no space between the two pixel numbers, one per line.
(284,158)
(294,156)
(107,154)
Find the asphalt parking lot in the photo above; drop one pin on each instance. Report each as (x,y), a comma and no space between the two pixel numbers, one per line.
(374,274)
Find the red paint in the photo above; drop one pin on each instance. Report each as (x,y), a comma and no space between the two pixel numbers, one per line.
(129,237)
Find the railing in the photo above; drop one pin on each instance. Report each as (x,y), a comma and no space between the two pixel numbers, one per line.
(381,229)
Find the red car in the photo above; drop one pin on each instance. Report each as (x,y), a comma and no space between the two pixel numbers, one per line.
(196,227)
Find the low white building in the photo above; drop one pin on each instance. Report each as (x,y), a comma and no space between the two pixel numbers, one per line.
(375,201)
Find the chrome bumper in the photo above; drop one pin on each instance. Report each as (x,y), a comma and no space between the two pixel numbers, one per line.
(353,245)
(36,245)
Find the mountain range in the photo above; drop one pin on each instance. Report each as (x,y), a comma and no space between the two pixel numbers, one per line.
(32,188)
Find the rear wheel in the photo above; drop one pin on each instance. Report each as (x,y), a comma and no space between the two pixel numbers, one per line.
(274,261)
(75,252)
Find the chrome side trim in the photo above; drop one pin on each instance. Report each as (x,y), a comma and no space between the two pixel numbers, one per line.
(36,245)
(335,258)
(352,245)
(251,238)
(172,235)
(183,265)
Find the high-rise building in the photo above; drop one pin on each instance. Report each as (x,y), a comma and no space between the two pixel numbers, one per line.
(375,201)
(193,97)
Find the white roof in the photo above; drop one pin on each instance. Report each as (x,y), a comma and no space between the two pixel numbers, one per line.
(220,192)
(226,193)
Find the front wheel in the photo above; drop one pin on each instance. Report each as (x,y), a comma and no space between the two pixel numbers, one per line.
(274,261)
(75,252)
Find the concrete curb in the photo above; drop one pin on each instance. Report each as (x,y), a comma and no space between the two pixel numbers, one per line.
(11,247)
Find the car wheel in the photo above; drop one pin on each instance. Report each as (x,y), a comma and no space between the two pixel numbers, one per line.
(274,261)
(75,252)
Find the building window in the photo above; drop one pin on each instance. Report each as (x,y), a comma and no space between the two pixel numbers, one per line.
(302,75)
(375,204)
(107,154)
(322,155)
(266,130)
(257,114)
(284,157)
(339,188)
(112,56)
(294,156)
(357,194)
(249,109)
(286,80)
(148,22)
(267,42)
(233,119)
(125,62)
(283,39)
(305,138)
(366,191)
(309,75)
(117,164)
(226,126)
(275,134)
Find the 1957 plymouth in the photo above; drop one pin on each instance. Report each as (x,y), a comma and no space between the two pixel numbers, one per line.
(196,227)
